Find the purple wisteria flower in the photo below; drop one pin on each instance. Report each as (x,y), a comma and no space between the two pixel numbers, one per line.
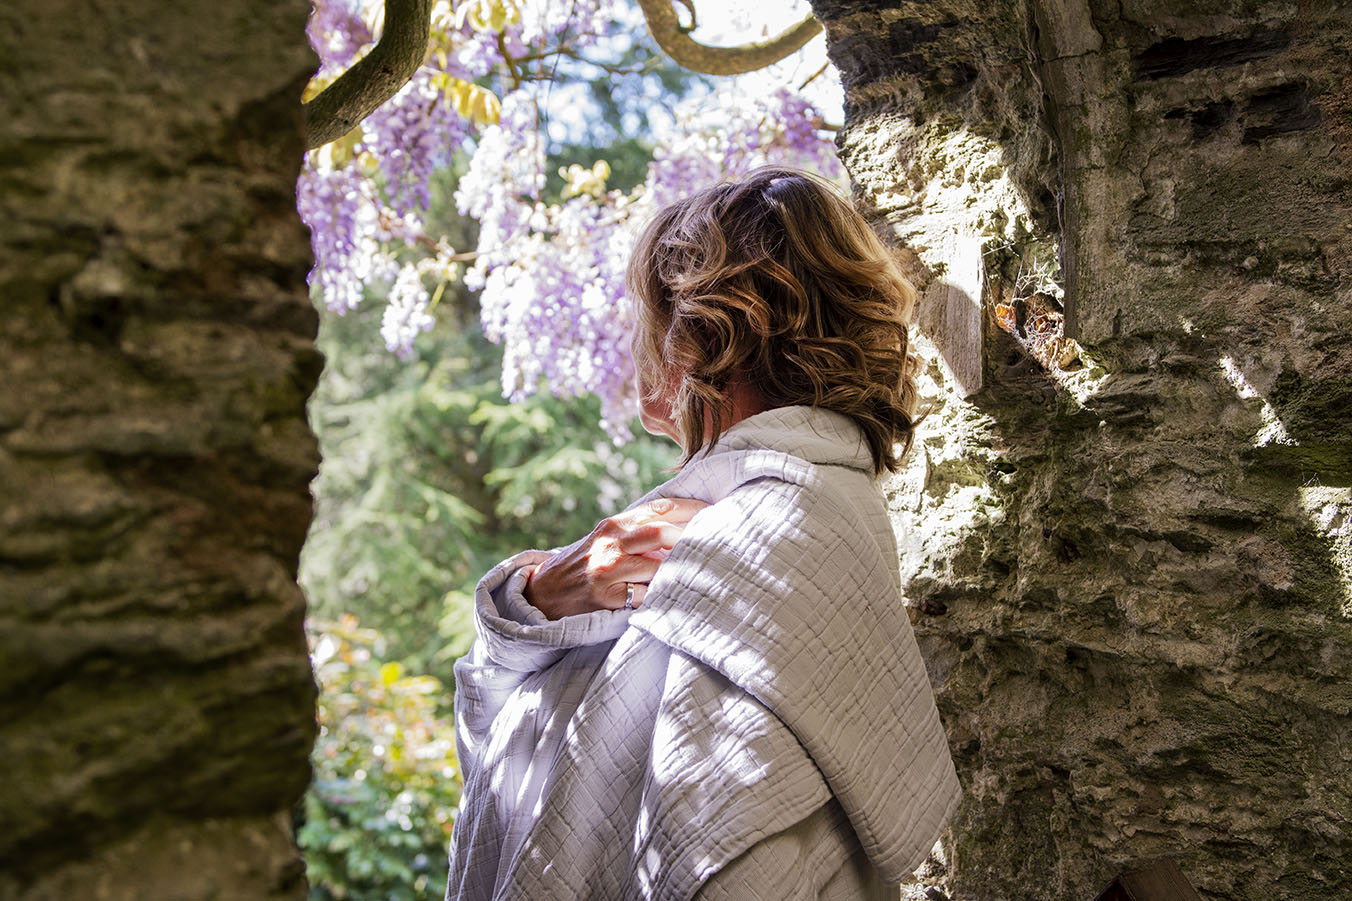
(551,275)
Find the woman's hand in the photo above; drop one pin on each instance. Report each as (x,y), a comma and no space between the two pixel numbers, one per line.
(595,572)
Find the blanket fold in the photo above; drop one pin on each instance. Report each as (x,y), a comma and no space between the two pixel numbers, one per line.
(772,666)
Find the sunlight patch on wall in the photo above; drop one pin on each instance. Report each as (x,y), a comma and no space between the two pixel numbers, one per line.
(1272,431)
(1330,512)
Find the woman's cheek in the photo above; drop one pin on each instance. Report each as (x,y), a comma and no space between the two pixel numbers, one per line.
(655,415)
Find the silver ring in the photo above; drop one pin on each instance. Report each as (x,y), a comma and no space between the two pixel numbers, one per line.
(629,596)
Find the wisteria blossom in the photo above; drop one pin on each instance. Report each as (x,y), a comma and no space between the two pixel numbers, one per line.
(405,312)
(553,276)
(339,205)
(412,135)
(337,31)
(504,183)
(550,274)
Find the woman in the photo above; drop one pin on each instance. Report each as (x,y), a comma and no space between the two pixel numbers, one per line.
(716,693)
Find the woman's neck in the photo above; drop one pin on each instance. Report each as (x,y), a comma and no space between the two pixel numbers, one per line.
(746,401)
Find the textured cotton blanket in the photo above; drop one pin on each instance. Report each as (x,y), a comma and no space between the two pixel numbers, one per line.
(632,754)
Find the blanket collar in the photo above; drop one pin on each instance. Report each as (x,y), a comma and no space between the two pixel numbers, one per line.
(785,443)
(814,434)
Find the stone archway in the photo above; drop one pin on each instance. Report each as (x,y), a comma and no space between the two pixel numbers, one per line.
(1136,579)
(156,353)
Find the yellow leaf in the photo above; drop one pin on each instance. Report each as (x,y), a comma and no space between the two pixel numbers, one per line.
(314,87)
(476,17)
(389,673)
(460,94)
(497,15)
(487,107)
(585,181)
(340,153)
(447,84)
(368,163)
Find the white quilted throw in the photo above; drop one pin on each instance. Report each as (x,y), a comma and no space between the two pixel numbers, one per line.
(619,754)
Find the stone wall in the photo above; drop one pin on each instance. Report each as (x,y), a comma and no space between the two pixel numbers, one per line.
(1129,524)
(156,352)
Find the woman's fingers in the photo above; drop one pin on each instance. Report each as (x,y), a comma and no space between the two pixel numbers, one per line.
(668,509)
(656,535)
(647,535)
(634,568)
(592,572)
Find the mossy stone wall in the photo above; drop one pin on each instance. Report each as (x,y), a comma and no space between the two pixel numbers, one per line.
(156,353)
(1131,546)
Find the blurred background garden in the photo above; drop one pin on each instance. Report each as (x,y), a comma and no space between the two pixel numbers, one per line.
(429,478)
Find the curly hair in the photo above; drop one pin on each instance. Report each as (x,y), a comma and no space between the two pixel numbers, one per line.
(774,281)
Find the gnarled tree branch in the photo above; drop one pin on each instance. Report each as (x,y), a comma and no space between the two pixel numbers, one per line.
(374,78)
(687,51)
(379,75)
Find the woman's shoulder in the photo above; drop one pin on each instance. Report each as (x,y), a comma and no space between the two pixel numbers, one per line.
(784,523)
(824,490)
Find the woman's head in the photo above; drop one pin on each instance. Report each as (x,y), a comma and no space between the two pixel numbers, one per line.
(772,285)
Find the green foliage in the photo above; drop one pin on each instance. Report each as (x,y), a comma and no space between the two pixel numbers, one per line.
(428,478)
(378,815)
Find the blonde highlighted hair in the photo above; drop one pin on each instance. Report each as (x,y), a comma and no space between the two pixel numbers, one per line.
(776,282)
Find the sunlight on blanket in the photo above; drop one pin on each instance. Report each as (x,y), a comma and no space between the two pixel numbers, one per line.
(507,781)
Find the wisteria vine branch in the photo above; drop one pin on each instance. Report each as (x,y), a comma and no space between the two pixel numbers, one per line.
(675,39)
(374,78)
